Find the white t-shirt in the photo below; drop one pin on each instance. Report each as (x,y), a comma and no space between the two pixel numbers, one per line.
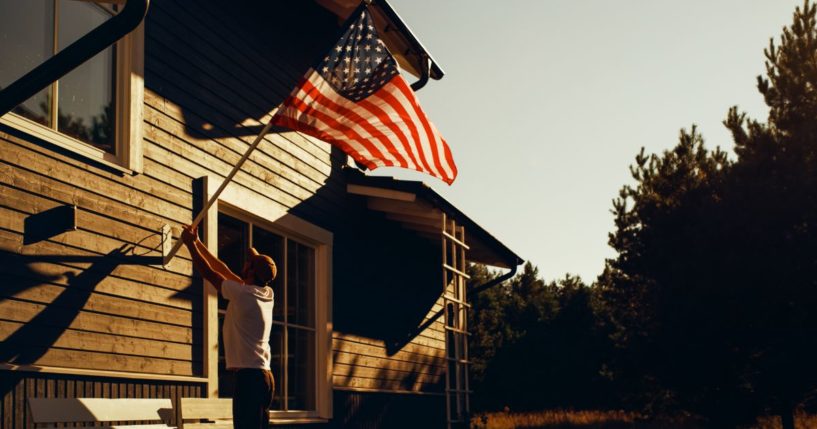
(247,325)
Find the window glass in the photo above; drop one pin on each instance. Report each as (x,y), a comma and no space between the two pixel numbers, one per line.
(86,94)
(300,284)
(26,41)
(277,364)
(301,369)
(233,241)
(84,105)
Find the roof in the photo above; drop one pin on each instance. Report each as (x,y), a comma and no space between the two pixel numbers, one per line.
(419,208)
(402,42)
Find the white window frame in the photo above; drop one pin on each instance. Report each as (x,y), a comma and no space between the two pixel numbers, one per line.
(129,100)
(237,200)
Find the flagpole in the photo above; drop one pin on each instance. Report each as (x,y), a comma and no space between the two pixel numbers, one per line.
(224,184)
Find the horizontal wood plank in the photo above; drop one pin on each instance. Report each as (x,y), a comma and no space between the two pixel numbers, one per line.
(24,311)
(40,336)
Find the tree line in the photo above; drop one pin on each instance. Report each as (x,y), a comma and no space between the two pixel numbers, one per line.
(709,308)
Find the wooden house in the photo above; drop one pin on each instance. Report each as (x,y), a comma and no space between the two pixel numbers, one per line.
(370,315)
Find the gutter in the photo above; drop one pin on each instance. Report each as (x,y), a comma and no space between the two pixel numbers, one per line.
(74,55)
(430,67)
(483,287)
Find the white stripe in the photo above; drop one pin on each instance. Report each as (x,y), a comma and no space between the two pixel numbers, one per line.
(327,91)
(376,122)
(437,141)
(400,123)
(316,123)
(425,139)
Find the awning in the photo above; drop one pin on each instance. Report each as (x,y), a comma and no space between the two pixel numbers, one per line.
(406,48)
(417,207)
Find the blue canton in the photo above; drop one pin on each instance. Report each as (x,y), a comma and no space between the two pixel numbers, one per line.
(359,64)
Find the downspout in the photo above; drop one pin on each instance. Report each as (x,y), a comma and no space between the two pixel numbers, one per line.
(74,55)
(397,345)
(416,86)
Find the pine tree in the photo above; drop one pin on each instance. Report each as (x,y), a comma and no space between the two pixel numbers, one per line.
(712,293)
(773,194)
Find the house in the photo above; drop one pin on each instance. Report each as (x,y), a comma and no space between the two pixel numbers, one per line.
(371,304)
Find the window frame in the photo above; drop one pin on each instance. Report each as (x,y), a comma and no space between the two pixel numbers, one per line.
(244,204)
(128,104)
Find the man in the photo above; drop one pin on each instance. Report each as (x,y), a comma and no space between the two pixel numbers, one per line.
(247,326)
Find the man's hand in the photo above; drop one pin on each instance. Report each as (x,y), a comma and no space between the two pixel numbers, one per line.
(189,234)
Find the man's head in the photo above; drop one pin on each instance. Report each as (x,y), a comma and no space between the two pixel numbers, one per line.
(258,269)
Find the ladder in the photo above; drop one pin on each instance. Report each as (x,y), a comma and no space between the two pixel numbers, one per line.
(458,410)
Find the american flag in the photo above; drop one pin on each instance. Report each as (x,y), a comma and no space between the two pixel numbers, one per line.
(357,100)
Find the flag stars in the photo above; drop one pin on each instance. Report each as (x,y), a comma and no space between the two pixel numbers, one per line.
(360,64)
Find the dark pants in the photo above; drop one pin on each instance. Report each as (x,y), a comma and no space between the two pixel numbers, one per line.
(252,398)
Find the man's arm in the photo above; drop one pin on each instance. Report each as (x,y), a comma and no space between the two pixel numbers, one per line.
(199,260)
(217,265)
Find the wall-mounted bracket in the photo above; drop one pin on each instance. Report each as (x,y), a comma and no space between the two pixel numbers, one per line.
(167,244)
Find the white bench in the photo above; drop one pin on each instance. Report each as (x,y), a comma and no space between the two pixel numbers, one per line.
(217,411)
(101,410)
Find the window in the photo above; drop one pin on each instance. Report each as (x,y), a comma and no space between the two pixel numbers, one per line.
(295,339)
(91,109)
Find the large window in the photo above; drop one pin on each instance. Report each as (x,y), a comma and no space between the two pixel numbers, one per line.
(87,110)
(293,339)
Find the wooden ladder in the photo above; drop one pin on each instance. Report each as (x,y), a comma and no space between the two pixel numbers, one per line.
(457,391)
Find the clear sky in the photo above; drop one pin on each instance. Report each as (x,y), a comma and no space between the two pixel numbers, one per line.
(545,104)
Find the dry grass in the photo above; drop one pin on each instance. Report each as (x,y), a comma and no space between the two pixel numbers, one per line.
(802,421)
(557,419)
(562,419)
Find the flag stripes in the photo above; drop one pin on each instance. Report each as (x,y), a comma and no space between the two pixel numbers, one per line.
(387,129)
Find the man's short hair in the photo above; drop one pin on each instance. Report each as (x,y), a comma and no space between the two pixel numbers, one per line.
(264,268)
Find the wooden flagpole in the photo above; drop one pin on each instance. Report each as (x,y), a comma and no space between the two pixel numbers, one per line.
(167,258)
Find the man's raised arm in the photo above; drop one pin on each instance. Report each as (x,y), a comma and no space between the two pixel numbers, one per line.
(200,259)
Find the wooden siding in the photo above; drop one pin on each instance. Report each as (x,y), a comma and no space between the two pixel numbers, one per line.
(74,302)
(368,364)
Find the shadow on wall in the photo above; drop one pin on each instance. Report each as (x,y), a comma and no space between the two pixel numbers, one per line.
(40,325)
(224,84)
(386,281)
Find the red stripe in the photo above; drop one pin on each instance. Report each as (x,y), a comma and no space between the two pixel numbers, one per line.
(296,111)
(402,85)
(294,124)
(307,110)
(450,159)
(398,107)
(321,99)
(386,120)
